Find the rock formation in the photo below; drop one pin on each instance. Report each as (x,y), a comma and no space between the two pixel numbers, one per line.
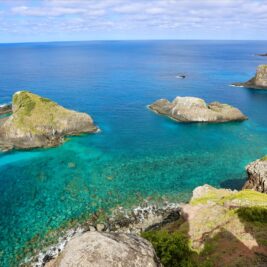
(5,109)
(193,109)
(257,175)
(40,122)
(259,81)
(107,250)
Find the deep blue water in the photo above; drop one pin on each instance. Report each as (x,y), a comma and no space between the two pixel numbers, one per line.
(137,153)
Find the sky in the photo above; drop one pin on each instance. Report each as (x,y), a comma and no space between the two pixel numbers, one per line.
(70,20)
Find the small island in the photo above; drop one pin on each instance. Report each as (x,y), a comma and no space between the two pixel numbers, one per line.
(39,122)
(193,109)
(259,81)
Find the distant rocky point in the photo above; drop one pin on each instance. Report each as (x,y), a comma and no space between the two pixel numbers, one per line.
(257,175)
(193,109)
(262,55)
(5,109)
(39,122)
(259,81)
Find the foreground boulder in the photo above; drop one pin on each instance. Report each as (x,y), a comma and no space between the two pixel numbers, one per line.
(107,250)
(257,175)
(40,122)
(5,109)
(193,109)
(259,81)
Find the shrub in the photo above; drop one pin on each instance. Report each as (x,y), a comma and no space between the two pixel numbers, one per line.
(253,214)
(172,248)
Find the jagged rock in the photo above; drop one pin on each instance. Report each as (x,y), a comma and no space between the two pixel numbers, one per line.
(193,109)
(5,109)
(107,250)
(259,81)
(257,175)
(40,122)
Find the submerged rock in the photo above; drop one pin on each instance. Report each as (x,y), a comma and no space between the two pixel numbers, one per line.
(259,81)
(257,175)
(193,109)
(5,109)
(40,122)
(100,249)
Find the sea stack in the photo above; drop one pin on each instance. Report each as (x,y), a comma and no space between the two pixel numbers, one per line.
(39,122)
(257,175)
(193,109)
(259,81)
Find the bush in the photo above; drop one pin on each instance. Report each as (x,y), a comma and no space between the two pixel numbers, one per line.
(172,248)
(253,214)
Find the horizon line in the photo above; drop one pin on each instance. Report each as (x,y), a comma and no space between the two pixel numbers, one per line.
(129,40)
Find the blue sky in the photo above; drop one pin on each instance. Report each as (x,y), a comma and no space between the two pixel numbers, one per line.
(58,20)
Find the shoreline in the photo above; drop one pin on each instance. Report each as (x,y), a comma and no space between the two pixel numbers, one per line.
(123,220)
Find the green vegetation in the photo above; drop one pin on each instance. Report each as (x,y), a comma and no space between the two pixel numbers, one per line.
(172,248)
(253,214)
(221,196)
(31,111)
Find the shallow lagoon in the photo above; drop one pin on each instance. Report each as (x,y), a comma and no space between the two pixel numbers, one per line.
(137,154)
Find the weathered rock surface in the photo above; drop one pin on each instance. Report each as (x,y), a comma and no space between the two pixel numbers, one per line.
(259,81)
(40,122)
(107,250)
(257,175)
(5,109)
(193,109)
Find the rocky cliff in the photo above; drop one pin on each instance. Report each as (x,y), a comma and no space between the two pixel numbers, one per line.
(40,122)
(193,109)
(257,175)
(259,81)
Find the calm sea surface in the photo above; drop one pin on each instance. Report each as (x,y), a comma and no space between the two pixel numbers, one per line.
(137,154)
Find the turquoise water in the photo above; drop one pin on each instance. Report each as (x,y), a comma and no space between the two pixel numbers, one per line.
(137,154)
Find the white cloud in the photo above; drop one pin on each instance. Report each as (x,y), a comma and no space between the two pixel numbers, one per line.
(146,15)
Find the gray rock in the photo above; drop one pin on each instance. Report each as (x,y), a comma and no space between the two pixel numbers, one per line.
(259,81)
(193,109)
(257,175)
(40,122)
(5,109)
(106,250)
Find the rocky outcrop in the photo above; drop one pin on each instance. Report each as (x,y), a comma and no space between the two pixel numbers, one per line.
(5,109)
(193,109)
(262,55)
(40,122)
(259,81)
(257,175)
(107,250)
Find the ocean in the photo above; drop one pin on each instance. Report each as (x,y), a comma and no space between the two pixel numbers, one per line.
(137,154)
